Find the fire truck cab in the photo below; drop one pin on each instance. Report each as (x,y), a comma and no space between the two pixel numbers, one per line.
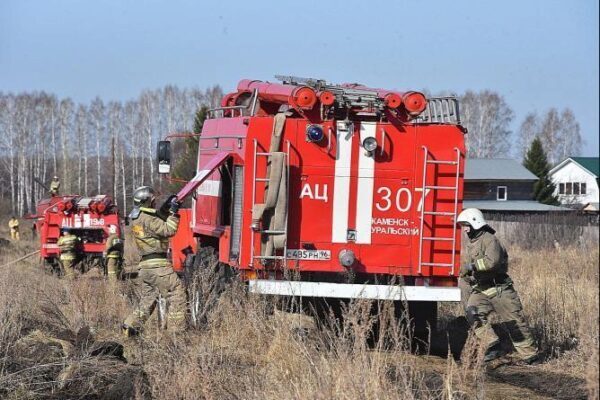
(319,190)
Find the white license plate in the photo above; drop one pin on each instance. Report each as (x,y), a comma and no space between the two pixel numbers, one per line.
(301,254)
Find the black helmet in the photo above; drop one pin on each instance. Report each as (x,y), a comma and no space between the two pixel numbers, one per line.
(143,196)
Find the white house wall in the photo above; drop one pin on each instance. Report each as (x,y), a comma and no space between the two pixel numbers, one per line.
(572,172)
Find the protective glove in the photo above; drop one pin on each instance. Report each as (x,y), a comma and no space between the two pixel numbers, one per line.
(174,206)
(467,270)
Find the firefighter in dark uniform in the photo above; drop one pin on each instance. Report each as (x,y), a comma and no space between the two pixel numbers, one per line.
(151,233)
(492,290)
(69,246)
(113,254)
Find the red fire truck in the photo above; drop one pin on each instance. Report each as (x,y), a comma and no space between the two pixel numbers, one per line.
(90,218)
(349,187)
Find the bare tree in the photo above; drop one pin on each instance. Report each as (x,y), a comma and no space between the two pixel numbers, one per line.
(560,134)
(570,136)
(529,129)
(97,120)
(487,118)
(65,123)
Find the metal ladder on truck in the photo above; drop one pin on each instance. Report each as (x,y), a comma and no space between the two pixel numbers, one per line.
(433,187)
(255,231)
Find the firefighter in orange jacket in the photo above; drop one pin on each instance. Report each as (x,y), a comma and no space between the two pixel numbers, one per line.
(151,233)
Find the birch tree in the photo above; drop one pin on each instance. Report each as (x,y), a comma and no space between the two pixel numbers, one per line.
(487,118)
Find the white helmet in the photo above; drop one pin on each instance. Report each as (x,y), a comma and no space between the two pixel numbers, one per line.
(473,217)
(112,229)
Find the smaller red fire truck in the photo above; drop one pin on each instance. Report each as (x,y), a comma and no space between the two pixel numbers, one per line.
(90,218)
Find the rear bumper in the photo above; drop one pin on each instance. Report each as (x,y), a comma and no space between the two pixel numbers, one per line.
(354,291)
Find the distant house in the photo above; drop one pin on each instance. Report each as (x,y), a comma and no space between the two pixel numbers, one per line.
(501,185)
(576,180)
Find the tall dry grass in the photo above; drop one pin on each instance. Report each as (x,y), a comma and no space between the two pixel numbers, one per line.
(248,348)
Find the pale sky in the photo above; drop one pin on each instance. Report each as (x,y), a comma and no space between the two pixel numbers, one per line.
(537,54)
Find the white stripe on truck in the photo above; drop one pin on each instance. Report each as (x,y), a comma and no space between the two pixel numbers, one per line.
(364,194)
(341,184)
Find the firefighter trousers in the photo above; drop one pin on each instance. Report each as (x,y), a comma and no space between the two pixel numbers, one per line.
(67,261)
(14,234)
(113,267)
(158,279)
(505,302)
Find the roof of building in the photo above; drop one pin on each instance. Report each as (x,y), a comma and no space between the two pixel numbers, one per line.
(495,169)
(512,205)
(591,164)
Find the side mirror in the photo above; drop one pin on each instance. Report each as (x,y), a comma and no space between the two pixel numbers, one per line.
(163,154)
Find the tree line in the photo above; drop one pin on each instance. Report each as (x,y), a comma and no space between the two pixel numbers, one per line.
(96,148)
(109,147)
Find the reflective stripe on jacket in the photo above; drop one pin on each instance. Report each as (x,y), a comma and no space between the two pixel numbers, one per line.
(68,243)
(114,246)
(489,257)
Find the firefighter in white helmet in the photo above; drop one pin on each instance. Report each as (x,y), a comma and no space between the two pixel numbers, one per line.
(492,290)
(151,233)
(113,254)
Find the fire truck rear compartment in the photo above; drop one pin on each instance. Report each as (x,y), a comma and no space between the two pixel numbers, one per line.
(392,203)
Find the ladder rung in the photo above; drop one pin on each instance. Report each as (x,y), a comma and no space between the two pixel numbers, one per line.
(438,264)
(263,154)
(443,239)
(269,257)
(441,162)
(262,179)
(448,214)
(441,187)
(271,232)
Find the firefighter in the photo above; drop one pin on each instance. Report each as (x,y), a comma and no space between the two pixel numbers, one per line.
(69,245)
(54,186)
(113,254)
(151,233)
(13,225)
(492,290)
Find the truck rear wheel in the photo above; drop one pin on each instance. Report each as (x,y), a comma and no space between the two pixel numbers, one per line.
(51,266)
(205,282)
(423,319)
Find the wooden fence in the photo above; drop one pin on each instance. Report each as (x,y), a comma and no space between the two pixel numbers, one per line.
(545,230)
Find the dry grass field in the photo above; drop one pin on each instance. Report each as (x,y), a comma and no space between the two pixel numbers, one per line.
(60,340)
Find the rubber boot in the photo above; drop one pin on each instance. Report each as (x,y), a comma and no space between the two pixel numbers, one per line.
(493,352)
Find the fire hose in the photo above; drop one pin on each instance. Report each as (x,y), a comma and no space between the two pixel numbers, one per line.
(19,259)
(273,213)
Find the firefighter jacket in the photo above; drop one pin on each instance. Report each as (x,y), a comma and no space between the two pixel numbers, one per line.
(54,186)
(114,246)
(152,233)
(490,260)
(13,224)
(68,245)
